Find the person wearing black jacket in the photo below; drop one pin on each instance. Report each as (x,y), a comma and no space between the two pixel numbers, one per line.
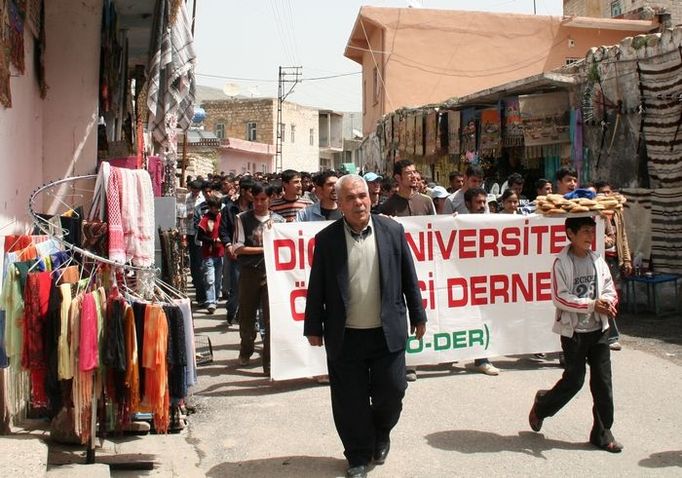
(231,265)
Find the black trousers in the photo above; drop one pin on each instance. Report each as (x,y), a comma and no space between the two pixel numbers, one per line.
(591,348)
(367,385)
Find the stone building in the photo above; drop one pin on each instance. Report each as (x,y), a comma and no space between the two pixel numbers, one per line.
(671,10)
(255,119)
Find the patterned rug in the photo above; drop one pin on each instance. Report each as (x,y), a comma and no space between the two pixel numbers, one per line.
(661,85)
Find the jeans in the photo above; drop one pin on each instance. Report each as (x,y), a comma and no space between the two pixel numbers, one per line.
(213,277)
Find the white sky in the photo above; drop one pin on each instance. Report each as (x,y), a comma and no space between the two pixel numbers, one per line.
(252,38)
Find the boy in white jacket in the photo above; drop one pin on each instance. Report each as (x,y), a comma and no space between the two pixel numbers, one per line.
(585,297)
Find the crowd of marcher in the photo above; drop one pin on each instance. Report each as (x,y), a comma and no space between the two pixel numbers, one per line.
(227,215)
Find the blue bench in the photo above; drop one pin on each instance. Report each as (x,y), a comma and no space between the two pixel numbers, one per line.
(651,282)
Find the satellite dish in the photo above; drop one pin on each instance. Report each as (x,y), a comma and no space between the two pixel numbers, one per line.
(231,89)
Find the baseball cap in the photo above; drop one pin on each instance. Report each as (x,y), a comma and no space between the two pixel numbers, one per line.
(371,177)
(439,192)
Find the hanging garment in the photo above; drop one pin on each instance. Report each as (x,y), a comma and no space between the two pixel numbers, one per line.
(68,275)
(52,325)
(190,350)
(177,358)
(88,354)
(12,302)
(33,358)
(137,215)
(117,251)
(154,360)
(139,312)
(114,349)
(64,370)
(132,375)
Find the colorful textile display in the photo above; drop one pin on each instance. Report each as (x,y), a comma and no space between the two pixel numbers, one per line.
(172,86)
(130,207)
(453,132)
(469,136)
(546,118)
(491,134)
(402,133)
(653,219)
(16,12)
(432,138)
(662,120)
(419,133)
(5,91)
(410,131)
(512,133)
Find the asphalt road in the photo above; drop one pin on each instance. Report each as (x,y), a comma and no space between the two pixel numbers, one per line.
(455,422)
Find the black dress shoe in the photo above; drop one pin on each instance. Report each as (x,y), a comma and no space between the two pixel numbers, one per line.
(381,453)
(359,471)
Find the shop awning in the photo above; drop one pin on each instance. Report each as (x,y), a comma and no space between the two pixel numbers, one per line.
(534,84)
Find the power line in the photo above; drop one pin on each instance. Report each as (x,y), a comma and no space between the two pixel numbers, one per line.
(261,80)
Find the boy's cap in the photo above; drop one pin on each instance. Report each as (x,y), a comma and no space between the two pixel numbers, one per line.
(439,192)
(371,177)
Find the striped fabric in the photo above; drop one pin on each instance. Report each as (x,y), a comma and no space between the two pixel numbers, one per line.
(661,85)
(653,220)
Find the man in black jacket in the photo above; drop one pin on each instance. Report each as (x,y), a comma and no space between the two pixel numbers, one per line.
(362,276)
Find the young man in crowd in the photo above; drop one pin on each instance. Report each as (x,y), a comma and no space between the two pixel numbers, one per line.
(325,208)
(389,187)
(456,182)
(291,201)
(438,195)
(617,256)
(585,298)
(407,202)
(473,178)
(374,185)
(253,284)
(476,201)
(566,180)
(212,251)
(231,266)
(308,187)
(194,199)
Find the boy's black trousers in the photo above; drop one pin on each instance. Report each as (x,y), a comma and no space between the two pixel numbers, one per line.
(591,348)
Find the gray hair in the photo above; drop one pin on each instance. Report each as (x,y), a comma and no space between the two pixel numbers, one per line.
(351,179)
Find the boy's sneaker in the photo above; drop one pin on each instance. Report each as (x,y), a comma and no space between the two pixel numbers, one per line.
(488,369)
(534,421)
(615,345)
(211,308)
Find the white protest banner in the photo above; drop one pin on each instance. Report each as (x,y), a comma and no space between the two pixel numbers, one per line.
(485,282)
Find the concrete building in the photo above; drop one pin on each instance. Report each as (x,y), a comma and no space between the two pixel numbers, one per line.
(412,57)
(339,140)
(629,9)
(255,119)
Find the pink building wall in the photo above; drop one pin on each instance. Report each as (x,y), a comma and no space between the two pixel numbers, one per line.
(239,156)
(43,140)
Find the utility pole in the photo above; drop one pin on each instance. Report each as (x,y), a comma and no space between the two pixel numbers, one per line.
(287,75)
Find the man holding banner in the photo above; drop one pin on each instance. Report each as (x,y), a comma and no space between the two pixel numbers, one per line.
(361,279)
